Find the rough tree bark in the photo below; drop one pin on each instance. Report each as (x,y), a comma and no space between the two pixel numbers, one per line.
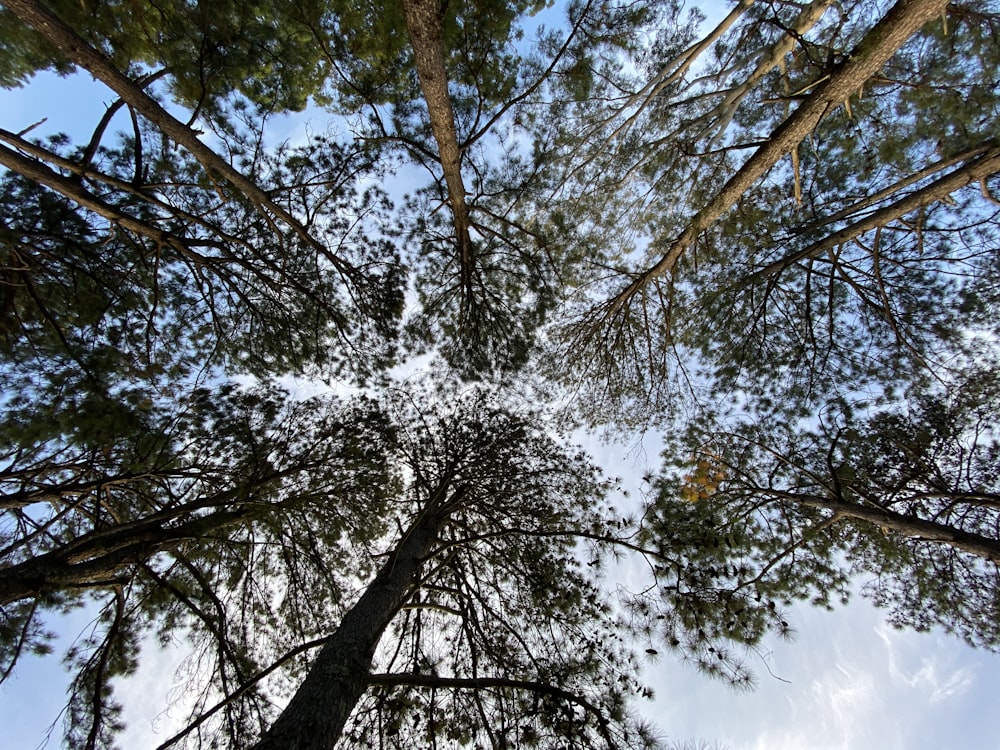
(100,558)
(315,717)
(909,526)
(423,24)
(903,20)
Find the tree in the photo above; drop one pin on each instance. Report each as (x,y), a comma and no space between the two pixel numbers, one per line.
(481,620)
(863,269)
(486,276)
(794,212)
(248,522)
(761,514)
(127,263)
(190,521)
(263,52)
(819,271)
(77,50)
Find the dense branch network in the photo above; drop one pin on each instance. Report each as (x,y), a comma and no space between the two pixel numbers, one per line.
(775,237)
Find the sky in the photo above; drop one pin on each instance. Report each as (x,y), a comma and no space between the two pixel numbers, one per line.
(848,681)
(852,682)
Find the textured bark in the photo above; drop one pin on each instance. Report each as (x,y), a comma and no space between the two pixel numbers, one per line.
(77,50)
(423,24)
(909,526)
(317,713)
(102,557)
(903,20)
(988,163)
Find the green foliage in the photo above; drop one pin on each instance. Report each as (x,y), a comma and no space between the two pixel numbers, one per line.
(492,331)
(781,296)
(937,458)
(373,59)
(729,563)
(98,312)
(903,500)
(809,329)
(193,528)
(296,504)
(504,598)
(483,320)
(266,52)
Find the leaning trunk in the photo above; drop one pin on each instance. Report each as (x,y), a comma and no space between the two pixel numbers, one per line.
(903,20)
(100,558)
(911,526)
(76,50)
(317,713)
(423,24)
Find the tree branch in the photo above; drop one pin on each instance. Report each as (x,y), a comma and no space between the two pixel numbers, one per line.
(903,20)
(243,688)
(481,683)
(77,50)
(986,164)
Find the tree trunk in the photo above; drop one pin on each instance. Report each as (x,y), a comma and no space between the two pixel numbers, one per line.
(423,24)
(317,713)
(910,526)
(903,20)
(103,557)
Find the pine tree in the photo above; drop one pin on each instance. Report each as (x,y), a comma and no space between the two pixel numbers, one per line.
(774,238)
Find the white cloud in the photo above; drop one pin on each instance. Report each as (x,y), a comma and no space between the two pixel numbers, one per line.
(853,683)
(839,709)
(930,674)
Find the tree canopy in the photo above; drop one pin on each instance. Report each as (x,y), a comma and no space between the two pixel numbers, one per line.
(769,237)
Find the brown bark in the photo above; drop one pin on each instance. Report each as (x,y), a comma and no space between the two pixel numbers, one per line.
(909,526)
(769,60)
(423,24)
(317,713)
(77,50)
(986,164)
(903,20)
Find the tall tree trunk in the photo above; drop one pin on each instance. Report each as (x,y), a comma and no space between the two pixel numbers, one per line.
(903,20)
(909,526)
(423,24)
(317,713)
(102,557)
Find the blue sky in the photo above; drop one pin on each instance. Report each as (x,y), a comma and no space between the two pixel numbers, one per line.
(853,683)
(848,681)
